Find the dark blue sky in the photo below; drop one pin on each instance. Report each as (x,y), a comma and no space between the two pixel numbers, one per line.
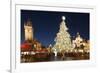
(46,24)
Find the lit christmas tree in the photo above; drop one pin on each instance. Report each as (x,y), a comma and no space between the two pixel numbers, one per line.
(62,41)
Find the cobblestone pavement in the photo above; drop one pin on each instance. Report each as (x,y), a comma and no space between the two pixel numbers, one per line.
(47,58)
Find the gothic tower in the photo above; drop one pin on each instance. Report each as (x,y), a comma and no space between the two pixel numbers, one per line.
(28,30)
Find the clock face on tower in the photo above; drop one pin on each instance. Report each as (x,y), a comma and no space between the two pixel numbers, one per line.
(28,32)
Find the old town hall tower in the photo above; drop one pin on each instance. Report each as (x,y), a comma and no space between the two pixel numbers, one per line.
(28,30)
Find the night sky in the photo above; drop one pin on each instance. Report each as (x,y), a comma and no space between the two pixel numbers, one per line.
(46,24)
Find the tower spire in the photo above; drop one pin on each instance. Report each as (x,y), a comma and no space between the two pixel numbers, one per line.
(78,35)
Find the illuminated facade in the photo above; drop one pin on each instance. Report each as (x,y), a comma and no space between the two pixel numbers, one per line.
(78,41)
(28,30)
(80,44)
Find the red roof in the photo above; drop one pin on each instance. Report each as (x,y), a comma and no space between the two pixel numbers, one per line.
(26,47)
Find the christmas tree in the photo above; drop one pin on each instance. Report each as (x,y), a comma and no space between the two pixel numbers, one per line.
(62,40)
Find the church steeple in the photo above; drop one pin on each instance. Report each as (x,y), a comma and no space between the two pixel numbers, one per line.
(78,35)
